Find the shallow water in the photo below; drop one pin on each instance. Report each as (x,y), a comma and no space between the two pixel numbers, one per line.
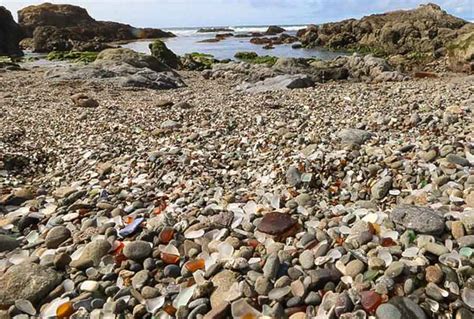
(188,42)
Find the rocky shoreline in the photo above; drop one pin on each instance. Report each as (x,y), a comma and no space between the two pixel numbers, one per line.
(158,186)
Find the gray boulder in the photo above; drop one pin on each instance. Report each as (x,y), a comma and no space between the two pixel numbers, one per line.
(27,281)
(121,68)
(280,82)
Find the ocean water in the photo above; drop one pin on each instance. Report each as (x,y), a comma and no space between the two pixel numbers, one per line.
(187,41)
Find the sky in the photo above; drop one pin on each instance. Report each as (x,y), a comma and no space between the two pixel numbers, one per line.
(189,13)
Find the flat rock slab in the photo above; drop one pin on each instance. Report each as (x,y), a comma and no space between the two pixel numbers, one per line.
(27,281)
(423,220)
(281,82)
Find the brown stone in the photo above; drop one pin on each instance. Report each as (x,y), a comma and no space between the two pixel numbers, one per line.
(457,229)
(82,100)
(276,224)
(434,274)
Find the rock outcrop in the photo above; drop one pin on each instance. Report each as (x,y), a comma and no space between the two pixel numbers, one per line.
(424,30)
(123,68)
(461,51)
(10,34)
(356,68)
(160,51)
(56,27)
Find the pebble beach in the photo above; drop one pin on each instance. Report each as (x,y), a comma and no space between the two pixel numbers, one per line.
(312,202)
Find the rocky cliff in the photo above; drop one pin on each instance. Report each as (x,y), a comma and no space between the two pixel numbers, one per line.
(424,30)
(10,34)
(68,27)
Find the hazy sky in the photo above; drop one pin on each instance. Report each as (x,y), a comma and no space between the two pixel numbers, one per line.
(183,13)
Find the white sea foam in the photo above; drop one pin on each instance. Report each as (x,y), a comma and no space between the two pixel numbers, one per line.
(238,29)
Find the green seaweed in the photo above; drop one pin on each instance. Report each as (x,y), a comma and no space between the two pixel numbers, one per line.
(365,50)
(73,56)
(252,57)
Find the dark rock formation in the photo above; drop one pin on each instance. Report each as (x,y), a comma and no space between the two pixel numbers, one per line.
(66,27)
(424,30)
(163,54)
(10,34)
(274,30)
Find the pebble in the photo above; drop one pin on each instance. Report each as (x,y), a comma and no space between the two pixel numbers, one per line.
(354,267)
(307,259)
(248,209)
(137,250)
(56,236)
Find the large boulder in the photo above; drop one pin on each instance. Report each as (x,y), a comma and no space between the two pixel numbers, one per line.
(163,54)
(138,60)
(274,30)
(27,281)
(424,30)
(48,14)
(10,34)
(65,27)
(121,67)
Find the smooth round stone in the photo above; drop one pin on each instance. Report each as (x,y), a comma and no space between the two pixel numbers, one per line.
(376,263)
(56,236)
(408,308)
(395,269)
(97,303)
(140,279)
(312,299)
(89,285)
(434,274)
(137,250)
(293,302)
(198,302)
(276,223)
(8,243)
(172,271)
(388,311)
(25,306)
(354,267)
(272,264)
(278,293)
(263,285)
(199,310)
(307,259)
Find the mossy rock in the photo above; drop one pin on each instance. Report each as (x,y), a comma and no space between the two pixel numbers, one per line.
(365,50)
(461,52)
(72,56)
(133,58)
(252,57)
(198,61)
(163,54)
